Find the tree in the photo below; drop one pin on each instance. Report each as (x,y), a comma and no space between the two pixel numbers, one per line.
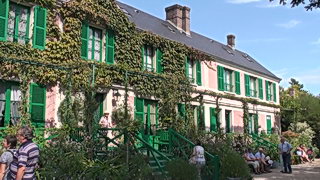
(294,82)
(312,4)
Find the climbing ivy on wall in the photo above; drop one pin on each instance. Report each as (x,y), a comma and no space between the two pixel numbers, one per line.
(63,49)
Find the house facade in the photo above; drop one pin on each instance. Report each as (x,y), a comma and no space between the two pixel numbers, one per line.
(36,32)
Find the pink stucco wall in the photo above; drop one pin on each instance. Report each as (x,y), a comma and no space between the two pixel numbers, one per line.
(51,110)
(238,121)
(262,122)
(211,75)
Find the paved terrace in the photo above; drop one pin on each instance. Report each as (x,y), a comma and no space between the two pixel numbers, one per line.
(308,171)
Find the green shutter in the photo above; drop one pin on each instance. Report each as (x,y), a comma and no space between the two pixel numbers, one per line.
(256,123)
(269,124)
(260,88)
(213,120)
(182,110)
(159,59)
(37,105)
(237,77)
(274,92)
(39,34)
(139,109)
(4,9)
(267,91)
(247,84)
(199,78)
(220,78)
(84,40)
(110,43)
(142,57)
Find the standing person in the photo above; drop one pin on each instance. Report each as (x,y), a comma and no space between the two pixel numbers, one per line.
(9,143)
(284,150)
(198,158)
(27,157)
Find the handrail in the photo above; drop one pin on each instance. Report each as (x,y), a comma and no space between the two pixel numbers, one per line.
(215,158)
(150,147)
(256,137)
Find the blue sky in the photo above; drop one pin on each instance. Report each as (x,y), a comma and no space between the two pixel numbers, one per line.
(285,40)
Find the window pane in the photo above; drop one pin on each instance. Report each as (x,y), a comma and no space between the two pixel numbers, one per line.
(190,66)
(23,25)
(97,44)
(11,22)
(149,58)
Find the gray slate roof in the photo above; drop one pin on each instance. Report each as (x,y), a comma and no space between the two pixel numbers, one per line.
(216,49)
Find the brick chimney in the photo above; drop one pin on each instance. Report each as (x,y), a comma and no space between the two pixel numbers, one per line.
(179,16)
(186,19)
(231,40)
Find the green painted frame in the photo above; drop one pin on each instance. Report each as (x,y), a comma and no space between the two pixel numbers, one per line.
(17,20)
(7,115)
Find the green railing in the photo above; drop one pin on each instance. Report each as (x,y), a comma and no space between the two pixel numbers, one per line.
(144,147)
(261,141)
(183,147)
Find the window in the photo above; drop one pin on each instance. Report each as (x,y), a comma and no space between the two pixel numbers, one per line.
(253,123)
(193,71)
(91,47)
(15,24)
(10,101)
(199,116)
(228,80)
(148,59)
(271,91)
(228,121)
(152,59)
(251,86)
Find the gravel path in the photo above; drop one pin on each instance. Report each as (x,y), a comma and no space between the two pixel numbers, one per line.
(308,171)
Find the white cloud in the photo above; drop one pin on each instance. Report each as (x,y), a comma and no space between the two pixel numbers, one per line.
(317,42)
(291,24)
(273,4)
(242,1)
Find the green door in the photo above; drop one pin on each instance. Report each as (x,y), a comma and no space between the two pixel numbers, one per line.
(146,111)
(269,124)
(10,100)
(228,121)
(99,111)
(200,117)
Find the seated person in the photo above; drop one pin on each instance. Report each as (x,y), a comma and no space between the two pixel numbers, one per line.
(304,156)
(310,154)
(262,160)
(253,162)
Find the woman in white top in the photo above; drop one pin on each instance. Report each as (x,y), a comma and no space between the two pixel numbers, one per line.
(198,158)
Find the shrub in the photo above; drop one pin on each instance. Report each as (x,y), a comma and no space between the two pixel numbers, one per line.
(180,169)
(232,163)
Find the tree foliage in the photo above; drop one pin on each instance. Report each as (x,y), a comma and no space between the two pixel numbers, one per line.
(298,105)
(308,5)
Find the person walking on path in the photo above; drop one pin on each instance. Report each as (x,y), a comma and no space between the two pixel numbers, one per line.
(9,143)
(26,159)
(284,150)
